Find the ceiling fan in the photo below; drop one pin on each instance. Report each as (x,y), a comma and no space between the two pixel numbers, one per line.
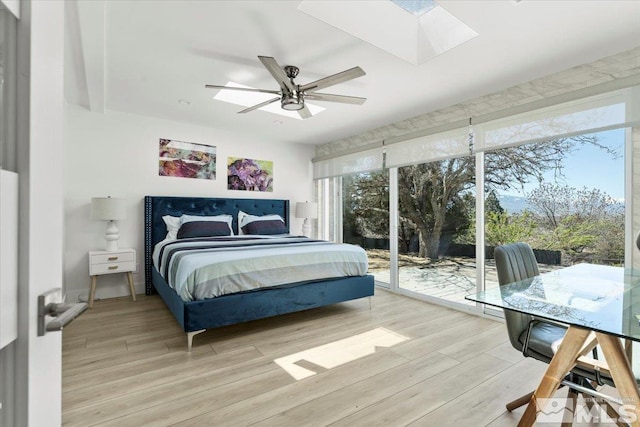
(291,95)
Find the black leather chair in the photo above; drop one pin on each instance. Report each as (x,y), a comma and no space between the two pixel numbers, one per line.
(535,337)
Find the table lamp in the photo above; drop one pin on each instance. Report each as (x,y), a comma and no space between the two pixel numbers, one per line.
(109,209)
(306,210)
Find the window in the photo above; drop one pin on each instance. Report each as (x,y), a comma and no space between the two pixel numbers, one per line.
(365,219)
(436,228)
(548,195)
(558,178)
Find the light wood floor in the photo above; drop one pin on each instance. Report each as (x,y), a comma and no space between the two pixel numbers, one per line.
(125,364)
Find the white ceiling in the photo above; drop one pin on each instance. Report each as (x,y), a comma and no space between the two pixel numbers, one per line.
(142,57)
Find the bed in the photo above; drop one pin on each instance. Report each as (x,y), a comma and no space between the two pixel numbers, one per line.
(196,316)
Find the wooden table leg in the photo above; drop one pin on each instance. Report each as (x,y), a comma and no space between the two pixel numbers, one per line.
(92,292)
(572,397)
(133,290)
(563,361)
(623,376)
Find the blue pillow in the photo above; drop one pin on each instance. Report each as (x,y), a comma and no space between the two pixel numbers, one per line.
(274,226)
(203,229)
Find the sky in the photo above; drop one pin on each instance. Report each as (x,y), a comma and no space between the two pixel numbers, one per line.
(593,167)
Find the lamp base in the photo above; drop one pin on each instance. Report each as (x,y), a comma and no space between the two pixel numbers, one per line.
(112,235)
(306,228)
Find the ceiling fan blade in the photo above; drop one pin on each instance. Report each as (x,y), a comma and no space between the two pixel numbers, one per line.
(262,104)
(246,89)
(343,76)
(305,113)
(277,72)
(315,96)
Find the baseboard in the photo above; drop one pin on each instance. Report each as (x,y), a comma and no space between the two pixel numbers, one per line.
(105,292)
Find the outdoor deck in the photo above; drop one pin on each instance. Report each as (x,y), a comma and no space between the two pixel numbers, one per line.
(450,279)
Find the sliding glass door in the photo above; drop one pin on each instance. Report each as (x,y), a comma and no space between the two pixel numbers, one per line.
(436,228)
(565,197)
(431,209)
(365,219)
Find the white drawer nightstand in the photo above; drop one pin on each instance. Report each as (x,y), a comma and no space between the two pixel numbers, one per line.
(104,262)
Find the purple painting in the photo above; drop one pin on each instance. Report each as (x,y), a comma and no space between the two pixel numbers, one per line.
(249,174)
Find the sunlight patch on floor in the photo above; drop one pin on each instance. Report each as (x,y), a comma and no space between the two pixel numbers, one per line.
(307,363)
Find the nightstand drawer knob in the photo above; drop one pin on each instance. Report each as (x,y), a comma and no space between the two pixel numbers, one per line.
(113,258)
(113,267)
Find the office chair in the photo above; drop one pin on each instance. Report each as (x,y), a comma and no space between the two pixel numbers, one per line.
(536,337)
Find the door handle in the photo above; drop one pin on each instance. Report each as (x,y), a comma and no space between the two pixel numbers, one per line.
(54,314)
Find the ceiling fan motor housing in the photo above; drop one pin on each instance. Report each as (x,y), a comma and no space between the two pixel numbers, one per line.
(291,71)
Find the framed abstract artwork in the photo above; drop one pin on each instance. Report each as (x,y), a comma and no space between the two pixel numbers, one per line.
(249,174)
(187,159)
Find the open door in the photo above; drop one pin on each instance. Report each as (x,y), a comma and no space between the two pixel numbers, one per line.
(30,367)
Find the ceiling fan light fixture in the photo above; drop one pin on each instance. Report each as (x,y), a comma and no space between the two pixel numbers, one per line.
(290,94)
(292,101)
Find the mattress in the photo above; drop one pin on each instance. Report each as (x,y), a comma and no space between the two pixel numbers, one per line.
(202,268)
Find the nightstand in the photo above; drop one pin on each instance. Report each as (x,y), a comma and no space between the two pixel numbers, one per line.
(105,262)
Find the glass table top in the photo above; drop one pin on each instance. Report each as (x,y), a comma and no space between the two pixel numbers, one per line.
(602,298)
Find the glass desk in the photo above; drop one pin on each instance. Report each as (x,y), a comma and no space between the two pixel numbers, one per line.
(600,304)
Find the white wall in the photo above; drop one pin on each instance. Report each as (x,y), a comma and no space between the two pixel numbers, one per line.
(116,154)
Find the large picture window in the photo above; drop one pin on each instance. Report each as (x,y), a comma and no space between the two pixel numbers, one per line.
(554,201)
(430,215)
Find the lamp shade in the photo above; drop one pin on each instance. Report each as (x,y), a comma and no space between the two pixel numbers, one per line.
(306,210)
(108,208)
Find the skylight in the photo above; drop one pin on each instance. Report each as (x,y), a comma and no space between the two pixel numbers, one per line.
(415,7)
(413,30)
(247,99)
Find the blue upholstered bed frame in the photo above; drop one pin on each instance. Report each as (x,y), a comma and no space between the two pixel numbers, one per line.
(197,316)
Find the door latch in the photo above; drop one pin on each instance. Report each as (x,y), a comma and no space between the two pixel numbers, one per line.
(54,314)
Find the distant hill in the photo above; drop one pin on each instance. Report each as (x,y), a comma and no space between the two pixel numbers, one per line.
(512,204)
(517,204)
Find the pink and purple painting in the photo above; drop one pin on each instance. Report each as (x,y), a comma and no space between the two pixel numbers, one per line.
(249,174)
(187,159)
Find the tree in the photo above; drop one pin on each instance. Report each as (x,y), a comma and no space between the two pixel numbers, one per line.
(427,190)
(553,202)
(492,203)
(502,228)
(578,222)
(366,204)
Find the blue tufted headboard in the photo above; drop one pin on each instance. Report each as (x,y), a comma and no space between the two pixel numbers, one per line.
(155,207)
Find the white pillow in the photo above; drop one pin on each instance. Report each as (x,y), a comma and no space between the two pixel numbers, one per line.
(244,219)
(173,225)
(219,218)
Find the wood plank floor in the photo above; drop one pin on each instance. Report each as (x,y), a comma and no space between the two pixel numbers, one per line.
(125,364)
